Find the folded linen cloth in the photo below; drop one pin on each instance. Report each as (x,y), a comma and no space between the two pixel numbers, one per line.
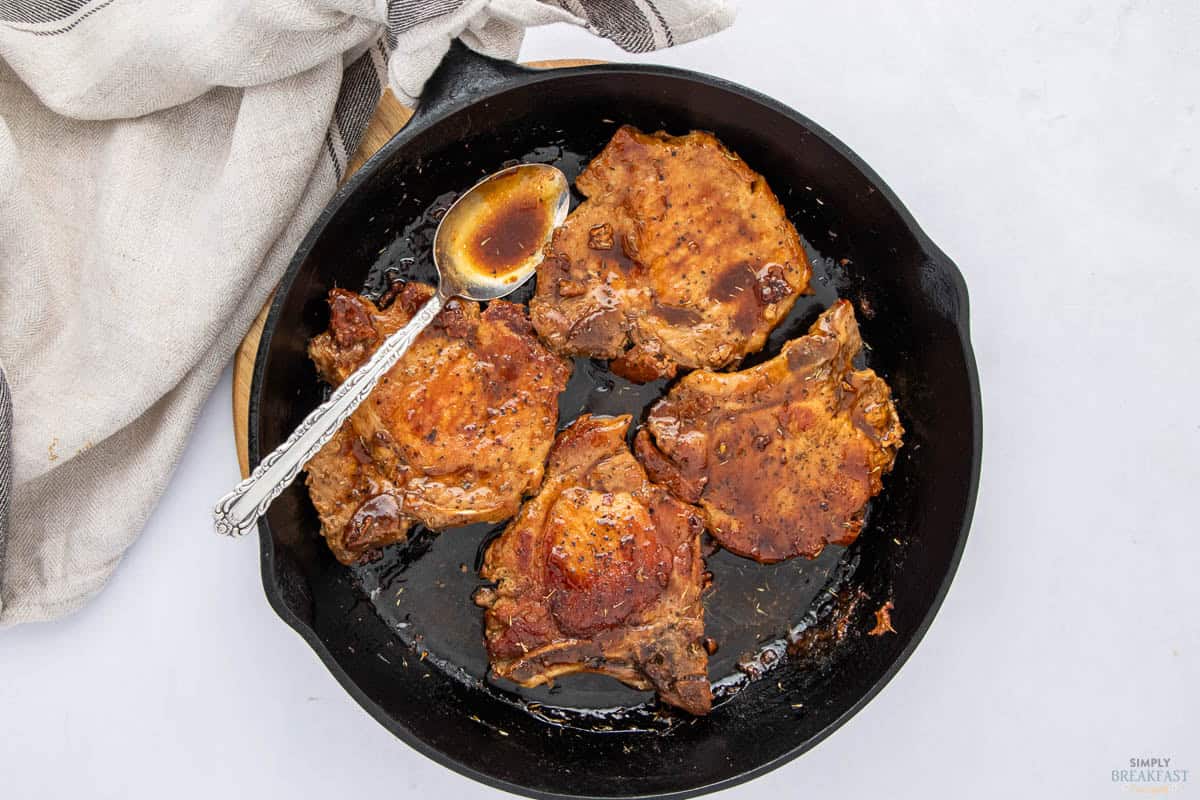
(157,171)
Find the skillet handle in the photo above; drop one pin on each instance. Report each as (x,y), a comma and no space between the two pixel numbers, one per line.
(463,76)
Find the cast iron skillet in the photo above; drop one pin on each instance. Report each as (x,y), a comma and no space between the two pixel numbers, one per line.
(401,633)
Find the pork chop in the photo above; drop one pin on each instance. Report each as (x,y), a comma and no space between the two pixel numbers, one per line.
(600,572)
(680,257)
(782,457)
(457,432)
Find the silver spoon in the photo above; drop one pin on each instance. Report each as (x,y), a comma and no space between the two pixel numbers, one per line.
(486,246)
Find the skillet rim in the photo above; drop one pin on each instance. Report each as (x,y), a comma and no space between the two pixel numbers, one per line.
(513,77)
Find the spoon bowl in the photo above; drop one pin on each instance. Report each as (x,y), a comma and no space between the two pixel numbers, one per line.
(491,239)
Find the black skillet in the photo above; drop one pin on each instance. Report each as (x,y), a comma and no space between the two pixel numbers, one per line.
(401,633)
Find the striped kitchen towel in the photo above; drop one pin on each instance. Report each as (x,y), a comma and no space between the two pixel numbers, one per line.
(157,171)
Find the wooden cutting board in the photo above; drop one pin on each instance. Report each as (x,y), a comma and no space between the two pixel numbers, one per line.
(389,118)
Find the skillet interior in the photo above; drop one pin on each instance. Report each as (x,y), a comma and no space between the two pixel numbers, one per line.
(865,248)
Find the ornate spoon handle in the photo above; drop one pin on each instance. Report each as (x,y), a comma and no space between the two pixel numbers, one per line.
(236,512)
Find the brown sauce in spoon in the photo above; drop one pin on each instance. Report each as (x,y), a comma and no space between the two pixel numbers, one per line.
(508,235)
(501,225)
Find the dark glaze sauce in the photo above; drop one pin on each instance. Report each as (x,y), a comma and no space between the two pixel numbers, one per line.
(749,291)
(754,613)
(678,315)
(507,236)
(496,229)
(734,284)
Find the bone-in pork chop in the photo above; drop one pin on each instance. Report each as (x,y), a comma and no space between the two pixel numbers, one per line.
(457,432)
(600,572)
(782,457)
(680,257)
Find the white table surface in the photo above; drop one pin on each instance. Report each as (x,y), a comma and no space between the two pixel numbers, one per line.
(1051,149)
